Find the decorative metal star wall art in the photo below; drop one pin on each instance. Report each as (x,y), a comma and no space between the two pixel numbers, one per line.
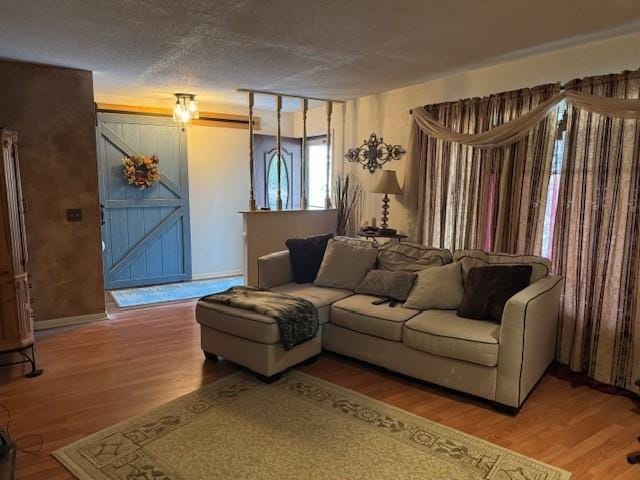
(374,153)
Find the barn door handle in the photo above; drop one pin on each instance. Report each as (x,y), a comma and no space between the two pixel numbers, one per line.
(102,222)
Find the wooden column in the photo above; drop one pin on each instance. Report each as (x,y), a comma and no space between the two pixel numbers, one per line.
(304,202)
(252,199)
(327,198)
(279,150)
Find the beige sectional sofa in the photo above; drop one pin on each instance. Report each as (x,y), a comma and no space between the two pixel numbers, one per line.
(498,362)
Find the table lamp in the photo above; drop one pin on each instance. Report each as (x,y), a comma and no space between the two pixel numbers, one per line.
(388,184)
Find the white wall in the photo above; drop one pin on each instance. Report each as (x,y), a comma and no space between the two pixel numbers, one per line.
(218,189)
(387,113)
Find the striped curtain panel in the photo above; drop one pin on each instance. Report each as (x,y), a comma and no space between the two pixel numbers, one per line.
(596,243)
(489,198)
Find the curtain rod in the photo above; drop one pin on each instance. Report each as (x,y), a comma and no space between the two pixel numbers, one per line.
(563,87)
(265,92)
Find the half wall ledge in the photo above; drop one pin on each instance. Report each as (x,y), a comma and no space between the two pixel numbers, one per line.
(265,231)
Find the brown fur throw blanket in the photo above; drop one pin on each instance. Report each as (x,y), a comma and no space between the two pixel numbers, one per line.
(297,318)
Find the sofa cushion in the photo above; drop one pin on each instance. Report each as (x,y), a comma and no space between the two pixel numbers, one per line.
(444,333)
(479,258)
(411,257)
(241,323)
(358,242)
(437,287)
(306,256)
(358,313)
(321,297)
(345,264)
(386,284)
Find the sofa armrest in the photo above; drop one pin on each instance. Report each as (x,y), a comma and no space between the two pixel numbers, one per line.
(527,339)
(274,269)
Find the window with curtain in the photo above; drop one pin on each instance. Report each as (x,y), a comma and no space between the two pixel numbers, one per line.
(487,198)
(553,188)
(596,238)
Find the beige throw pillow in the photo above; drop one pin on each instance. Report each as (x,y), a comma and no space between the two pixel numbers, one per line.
(437,287)
(344,265)
(410,257)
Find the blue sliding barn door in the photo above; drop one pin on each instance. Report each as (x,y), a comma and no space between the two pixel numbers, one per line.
(146,232)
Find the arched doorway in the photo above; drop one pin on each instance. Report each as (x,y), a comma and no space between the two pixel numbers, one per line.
(272,182)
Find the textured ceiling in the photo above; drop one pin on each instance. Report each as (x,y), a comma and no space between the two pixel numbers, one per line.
(147,49)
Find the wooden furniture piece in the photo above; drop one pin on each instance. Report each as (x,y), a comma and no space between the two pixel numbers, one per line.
(634,458)
(374,235)
(16,316)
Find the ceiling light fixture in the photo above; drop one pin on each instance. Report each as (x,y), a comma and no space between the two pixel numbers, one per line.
(186,108)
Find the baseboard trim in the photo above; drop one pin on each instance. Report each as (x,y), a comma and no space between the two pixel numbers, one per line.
(66,321)
(211,276)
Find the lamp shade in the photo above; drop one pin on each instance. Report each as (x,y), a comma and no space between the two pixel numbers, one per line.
(388,183)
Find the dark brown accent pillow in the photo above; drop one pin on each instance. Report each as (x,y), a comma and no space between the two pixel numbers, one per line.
(306,256)
(386,284)
(487,290)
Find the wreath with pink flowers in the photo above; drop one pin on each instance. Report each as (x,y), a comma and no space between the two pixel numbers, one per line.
(141,172)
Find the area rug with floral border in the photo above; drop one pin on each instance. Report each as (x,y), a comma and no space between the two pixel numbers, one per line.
(297,428)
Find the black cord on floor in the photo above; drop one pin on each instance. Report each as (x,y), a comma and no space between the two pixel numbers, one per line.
(30,451)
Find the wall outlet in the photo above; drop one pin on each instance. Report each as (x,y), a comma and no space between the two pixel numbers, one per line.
(74,215)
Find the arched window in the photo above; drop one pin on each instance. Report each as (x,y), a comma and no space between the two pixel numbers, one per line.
(272,182)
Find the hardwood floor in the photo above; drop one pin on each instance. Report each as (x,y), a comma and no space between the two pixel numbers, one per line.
(99,374)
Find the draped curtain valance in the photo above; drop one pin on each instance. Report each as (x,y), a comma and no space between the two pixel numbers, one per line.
(508,132)
(504,134)
(515,129)
(487,198)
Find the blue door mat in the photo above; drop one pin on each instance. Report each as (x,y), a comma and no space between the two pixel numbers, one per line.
(171,292)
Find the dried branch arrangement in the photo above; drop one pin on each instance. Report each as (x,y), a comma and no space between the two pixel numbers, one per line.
(346,194)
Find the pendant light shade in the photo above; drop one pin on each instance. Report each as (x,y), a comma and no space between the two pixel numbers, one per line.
(186,108)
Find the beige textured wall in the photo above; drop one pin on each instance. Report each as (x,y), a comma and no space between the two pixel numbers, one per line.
(387,113)
(52,110)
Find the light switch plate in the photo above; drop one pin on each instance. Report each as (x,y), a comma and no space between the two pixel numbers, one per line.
(74,215)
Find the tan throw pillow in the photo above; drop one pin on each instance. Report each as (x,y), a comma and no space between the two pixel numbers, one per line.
(344,265)
(437,287)
(356,242)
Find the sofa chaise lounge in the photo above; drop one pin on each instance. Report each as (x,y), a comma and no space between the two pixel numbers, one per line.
(499,362)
